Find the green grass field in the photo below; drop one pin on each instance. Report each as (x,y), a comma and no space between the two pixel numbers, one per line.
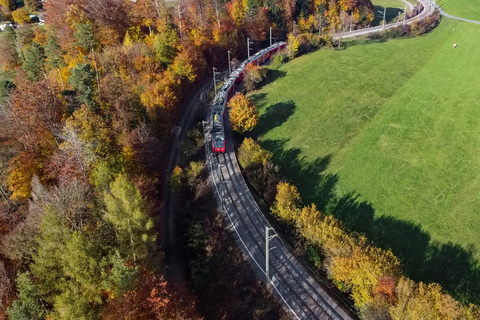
(468,9)
(397,123)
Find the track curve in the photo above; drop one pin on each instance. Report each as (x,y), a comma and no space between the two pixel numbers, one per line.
(291,281)
(428,9)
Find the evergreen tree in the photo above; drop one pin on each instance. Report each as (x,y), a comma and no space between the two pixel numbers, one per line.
(86,39)
(165,46)
(82,79)
(121,277)
(28,304)
(127,211)
(46,266)
(34,62)
(54,56)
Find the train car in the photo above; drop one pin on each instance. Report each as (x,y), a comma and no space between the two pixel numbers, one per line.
(218,134)
(228,90)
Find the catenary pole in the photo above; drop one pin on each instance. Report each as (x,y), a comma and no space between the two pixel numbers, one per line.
(229,65)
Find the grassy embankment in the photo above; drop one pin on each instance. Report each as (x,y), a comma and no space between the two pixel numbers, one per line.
(398,124)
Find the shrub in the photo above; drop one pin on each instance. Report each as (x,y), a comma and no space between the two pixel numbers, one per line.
(278,60)
(254,75)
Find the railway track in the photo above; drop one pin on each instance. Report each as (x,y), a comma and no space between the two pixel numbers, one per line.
(428,8)
(291,281)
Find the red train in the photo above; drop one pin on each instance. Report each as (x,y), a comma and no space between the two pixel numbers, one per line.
(226,92)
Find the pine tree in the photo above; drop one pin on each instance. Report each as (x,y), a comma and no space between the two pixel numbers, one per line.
(34,62)
(54,57)
(86,39)
(126,210)
(28,304)
(82,79)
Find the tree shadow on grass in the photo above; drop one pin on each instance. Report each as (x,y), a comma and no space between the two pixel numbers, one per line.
(274,116)
(390,14)
(273,75)
(450,265)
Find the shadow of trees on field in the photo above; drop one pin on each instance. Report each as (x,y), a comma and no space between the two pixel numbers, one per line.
(273,75)
(275,115)
(450,265)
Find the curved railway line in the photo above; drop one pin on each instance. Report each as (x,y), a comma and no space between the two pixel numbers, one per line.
(291,281)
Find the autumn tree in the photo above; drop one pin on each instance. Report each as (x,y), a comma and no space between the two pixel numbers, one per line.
(292,46)
(260,171)
(243,113)
(237,10)
(253,76)
(176,178)
(251,153)
(362,271)
(286,202)
(31,122)
(422,301)
(20,16)
(11,56)
(32,5)
(154,298)
(8,4)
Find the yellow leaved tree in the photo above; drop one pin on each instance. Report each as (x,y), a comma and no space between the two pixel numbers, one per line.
(251,153)
(20,16)
(286,202)
(243,113)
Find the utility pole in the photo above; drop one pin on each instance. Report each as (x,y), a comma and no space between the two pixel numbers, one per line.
(267,251)
(229,65)
(351,20)
(384,12)
(248,46)
(214,80)
(384,15)
(319,24)
(270,36)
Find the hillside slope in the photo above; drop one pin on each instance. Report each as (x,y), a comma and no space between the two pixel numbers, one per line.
(395,125)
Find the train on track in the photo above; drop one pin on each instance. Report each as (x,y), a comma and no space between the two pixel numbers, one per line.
(217,114)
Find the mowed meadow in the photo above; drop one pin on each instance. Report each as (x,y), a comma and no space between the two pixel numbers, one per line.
(467,9)
(391,131)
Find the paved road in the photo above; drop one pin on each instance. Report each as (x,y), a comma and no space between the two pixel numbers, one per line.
(302,295)
(453,17)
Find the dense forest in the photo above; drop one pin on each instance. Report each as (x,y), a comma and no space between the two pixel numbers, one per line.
(88,100)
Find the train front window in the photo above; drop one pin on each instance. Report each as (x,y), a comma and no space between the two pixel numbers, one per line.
(218,143)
